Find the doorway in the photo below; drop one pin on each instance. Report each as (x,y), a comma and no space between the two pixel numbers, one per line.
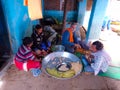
(5,47)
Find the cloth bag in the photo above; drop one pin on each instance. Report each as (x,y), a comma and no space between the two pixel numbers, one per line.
(34,8)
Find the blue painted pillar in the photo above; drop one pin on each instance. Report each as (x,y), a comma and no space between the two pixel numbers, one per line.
(96,19)
(81,11)
(43,7)
(18,22)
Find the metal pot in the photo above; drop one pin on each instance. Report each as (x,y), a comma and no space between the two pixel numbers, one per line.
(56,58)
(59,48)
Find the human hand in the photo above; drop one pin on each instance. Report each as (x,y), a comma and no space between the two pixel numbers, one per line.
(38,52)
(77,46)
(90,43)
(89,57)
(86,56)
(44,52)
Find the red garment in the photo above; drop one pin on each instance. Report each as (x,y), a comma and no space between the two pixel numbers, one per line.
(33,64)
(19,65)
(30,64)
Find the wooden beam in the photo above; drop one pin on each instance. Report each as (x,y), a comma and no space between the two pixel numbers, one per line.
(64,15)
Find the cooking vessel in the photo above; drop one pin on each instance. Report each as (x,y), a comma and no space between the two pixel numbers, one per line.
(59,58)
(58,48)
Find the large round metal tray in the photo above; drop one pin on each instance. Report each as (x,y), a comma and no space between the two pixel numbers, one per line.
(51,58)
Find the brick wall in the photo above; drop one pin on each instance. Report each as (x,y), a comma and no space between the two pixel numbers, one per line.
(55,5)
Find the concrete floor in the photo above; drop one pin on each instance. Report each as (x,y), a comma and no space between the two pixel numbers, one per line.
(111,43)
(21,80)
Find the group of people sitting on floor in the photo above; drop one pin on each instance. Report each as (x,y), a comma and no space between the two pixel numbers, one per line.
(29,54)
(32,50)
(97,61)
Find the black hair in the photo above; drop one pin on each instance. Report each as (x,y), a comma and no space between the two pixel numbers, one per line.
(27,40)
(73,23)
(98,44)
(38,26)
